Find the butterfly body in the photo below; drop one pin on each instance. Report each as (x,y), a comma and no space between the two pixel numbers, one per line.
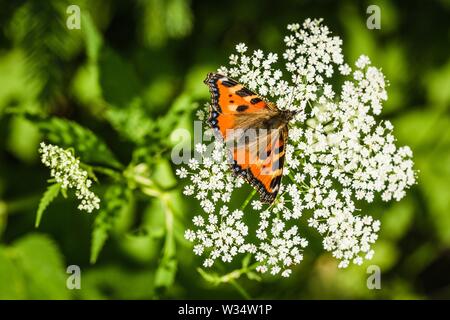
(255,132)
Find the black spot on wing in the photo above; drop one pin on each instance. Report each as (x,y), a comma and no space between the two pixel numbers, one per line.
(229,83)
(242,108)
(244,92)
(255,100)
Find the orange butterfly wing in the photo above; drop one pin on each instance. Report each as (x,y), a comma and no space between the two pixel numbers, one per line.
(263,169)
(231,103)
(229,100)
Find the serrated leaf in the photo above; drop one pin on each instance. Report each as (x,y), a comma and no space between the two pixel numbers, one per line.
(69,134)
(49,195)
(132,122)
(117,201)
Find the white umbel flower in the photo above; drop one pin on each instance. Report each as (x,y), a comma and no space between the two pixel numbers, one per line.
(338,153)
(65,169)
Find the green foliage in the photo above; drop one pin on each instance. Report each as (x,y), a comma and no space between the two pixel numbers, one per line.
(104,282)
(161,20)
(116,91)
(117,200)
(132,122)
(118,79)
(32,268)
(49,195)
(69,134)
(39,29)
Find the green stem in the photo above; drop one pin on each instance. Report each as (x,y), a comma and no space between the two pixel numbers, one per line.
(108,172)
(247,201)
(235,274)
(241,290)
(22,204)
(169,246)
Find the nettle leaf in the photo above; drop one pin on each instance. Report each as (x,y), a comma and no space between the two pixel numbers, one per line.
(69,134)
(132,123)
(117,200)
(49,195)
(41,266)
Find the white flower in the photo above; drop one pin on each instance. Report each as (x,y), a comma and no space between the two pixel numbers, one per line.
(362,62)
(337,153)
(65,169)
(241,48)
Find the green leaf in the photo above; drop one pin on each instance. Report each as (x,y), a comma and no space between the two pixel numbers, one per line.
(132,122)
(92,37)
(114,282)
(143,245)
(38,28)
(69,134)
(117,200)
(49,195)
(165,274)
(397,220)
(11,283)
(167,269)
(178,18)
(118,79)
(41,266)
(437,83)
(23,139)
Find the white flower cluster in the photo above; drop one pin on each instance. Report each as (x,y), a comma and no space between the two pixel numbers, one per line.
(337,154)
(222,234)
(65,169)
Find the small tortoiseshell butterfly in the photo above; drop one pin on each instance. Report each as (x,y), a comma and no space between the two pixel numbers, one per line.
(257,130)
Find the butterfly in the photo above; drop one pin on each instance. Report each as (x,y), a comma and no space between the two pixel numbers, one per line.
(255,133)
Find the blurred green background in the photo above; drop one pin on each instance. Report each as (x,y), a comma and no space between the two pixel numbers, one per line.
(132,75)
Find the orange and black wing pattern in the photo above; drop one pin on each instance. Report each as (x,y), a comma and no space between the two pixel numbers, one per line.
(236,107)
(231,102)
(264,161)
